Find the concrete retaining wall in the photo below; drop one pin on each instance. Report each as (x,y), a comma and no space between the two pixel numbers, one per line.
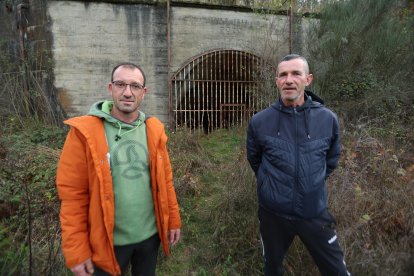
(81,41)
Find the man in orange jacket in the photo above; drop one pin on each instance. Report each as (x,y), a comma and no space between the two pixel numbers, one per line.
(115,184)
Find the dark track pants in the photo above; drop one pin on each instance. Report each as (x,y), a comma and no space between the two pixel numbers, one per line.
(142,256)
(318,235)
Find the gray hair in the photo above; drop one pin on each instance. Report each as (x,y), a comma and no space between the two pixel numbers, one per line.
(296,56)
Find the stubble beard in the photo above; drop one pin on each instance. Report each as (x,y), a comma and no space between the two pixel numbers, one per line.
(127,110)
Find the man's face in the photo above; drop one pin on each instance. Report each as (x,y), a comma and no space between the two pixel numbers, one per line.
(291,80)
(127,100)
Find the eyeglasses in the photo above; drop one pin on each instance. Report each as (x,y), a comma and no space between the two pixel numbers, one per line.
(135,87)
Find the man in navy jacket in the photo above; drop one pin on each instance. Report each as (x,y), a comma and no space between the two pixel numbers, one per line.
(292,147)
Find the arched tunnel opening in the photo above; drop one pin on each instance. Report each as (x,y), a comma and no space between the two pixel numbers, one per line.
(218,89)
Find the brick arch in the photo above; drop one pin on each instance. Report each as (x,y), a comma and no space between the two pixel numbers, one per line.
(217,89)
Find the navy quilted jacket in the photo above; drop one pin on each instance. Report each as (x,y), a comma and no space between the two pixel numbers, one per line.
(292,151)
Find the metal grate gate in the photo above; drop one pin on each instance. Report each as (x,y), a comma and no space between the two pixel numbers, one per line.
(218,89)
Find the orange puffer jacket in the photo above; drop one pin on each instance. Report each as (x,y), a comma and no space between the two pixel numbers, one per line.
(84,185)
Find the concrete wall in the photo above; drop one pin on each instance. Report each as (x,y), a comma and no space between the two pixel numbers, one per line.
(90,38)
(195,31)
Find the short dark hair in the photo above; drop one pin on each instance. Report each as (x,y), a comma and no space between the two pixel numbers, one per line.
(296,56)
(130,66)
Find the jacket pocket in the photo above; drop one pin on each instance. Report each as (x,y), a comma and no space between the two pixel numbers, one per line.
(325,220)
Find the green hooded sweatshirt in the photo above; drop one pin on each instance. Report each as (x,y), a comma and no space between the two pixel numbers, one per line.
(129,160)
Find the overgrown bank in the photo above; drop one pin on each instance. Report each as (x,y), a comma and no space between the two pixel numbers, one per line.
(371,195)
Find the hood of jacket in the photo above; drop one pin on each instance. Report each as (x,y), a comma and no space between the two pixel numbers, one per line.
(311,101)
(102,109)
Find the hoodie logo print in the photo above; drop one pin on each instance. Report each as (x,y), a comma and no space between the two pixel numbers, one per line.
(129,161)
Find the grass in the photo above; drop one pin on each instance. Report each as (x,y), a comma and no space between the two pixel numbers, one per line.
(371,195)
(30,234)
(210,157)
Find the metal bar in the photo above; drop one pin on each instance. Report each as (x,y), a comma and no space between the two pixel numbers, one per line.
(198,99)
(261,94)
(188,92)
(194,96)
(238,101)
(208,80)
(237,84)
(202,84)
(291,27)
(237,66)
(207,107)
(253,92)
(179,101)
(226,78)
(169,65)
(220,100)
(185,99)
(215,89)
(232,86)
(244,87)
(211,91)
(176,105)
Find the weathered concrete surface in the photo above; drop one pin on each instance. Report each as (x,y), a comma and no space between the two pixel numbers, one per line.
(242,4)
(195,31)
(89,39)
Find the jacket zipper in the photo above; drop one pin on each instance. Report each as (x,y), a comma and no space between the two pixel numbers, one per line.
(295,180)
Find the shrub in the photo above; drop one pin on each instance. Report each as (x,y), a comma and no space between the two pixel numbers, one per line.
(361,52)
(29,225)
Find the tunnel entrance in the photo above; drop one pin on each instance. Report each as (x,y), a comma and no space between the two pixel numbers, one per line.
(218,89)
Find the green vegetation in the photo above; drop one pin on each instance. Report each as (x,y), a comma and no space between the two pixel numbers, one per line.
(29,229)
(26,72)
(219,214)
(362,58)
(370,195)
